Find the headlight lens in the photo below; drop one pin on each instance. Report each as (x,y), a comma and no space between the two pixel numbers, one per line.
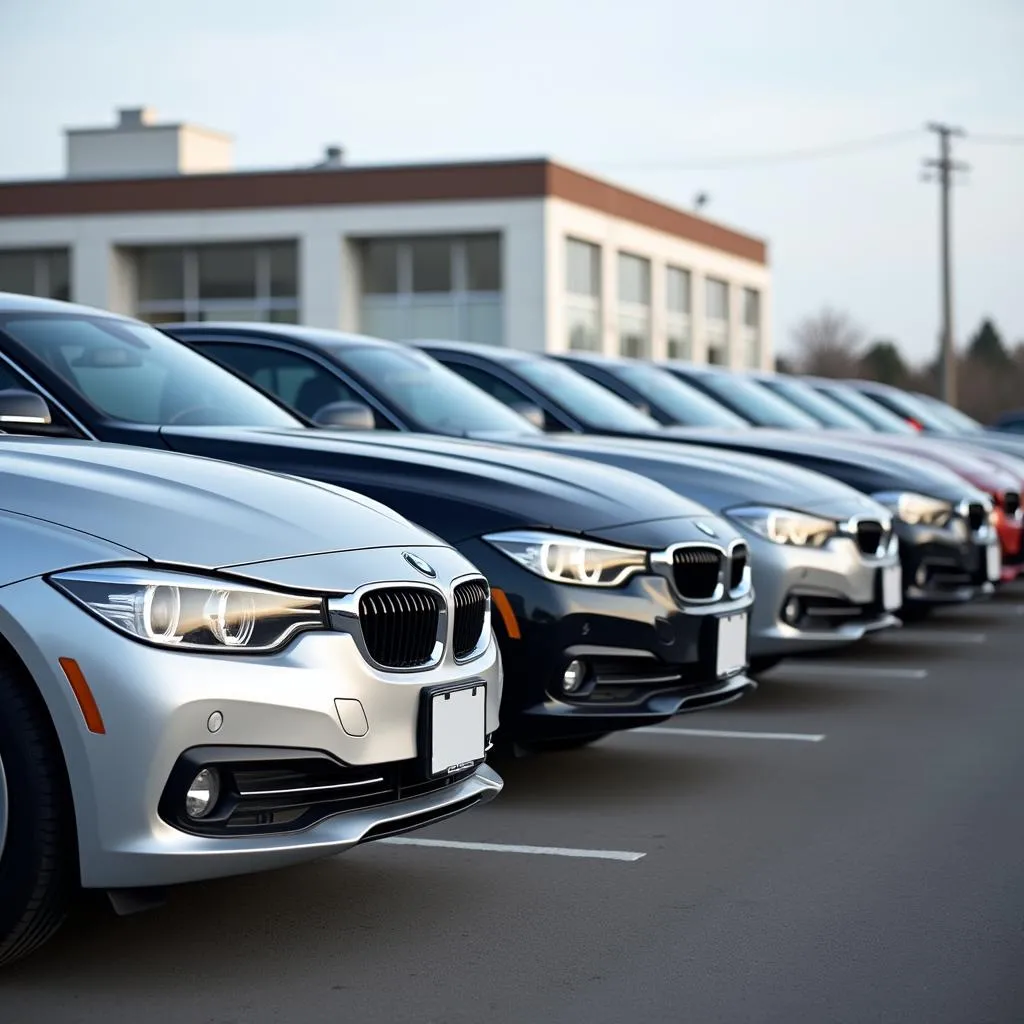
(916,509)
(193,613)
(570,559)
(785,526)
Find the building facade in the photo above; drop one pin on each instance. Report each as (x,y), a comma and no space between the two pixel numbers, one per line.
(530,253)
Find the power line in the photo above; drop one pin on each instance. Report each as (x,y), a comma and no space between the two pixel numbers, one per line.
(778,157)
(999,140)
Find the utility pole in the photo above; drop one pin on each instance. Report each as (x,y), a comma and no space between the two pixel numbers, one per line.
(944,167)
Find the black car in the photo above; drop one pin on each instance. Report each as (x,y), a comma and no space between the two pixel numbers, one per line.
(942,522)
(612,605)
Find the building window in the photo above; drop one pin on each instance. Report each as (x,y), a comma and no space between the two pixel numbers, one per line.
(678,302)
(634,306)
(42,272)
(433,287)
(752,327)
(583,295)
(716,316)
(218,282)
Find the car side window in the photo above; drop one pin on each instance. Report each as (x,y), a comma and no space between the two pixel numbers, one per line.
(301,383)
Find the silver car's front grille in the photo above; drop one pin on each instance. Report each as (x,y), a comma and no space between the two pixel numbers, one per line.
(870,535)
(696,572)
(400,625)
(470,600)
(976,515)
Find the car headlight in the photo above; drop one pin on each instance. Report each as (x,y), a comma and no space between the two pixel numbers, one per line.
(916,509)
(570,559)
(192,613)
(785,526)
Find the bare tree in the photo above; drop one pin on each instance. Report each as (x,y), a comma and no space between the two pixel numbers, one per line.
(828,344)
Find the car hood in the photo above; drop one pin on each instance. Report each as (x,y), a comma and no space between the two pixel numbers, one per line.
(180,510)
(854,463)
(981,470)
(719,480)
(454,487)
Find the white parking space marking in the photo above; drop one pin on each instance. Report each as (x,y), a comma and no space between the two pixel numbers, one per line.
(931,636)
(726,734)
(824,668)
(544,851)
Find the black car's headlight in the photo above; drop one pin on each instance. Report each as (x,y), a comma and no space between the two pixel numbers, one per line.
(570,559)
(786,526)
(193,613)
(916,509)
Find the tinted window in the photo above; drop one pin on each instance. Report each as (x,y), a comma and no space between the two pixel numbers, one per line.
(815,404)
(299,382)
(909,408)
(952,418)
(130,372)
(757,403)
(682,401)
(429,394)
(882,420)
(589,402)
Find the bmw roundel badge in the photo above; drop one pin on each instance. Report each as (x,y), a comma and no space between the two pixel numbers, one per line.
(417,563)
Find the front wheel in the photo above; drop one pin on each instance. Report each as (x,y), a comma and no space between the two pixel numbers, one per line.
(37,841)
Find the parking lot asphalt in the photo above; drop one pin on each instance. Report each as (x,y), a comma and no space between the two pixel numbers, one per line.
(845,845)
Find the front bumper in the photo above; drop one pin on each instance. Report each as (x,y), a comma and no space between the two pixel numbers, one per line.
(839,593)
(157,705)
(648,656)
(944,565)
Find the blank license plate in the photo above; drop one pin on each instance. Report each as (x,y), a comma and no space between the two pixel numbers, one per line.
(892,587)
(457,728)
(732,644)
(994,555)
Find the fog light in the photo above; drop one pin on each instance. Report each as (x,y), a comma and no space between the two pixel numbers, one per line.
(921,576)
(573,676)
(202,794)
(791,611)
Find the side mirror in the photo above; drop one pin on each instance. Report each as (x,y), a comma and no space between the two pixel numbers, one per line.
(345,416)
(531,412)
(17,406)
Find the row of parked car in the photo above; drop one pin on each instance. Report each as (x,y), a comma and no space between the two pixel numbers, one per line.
(269,592)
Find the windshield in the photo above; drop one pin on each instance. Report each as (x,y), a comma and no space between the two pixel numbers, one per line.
(954,419)
(758,404)
(815,404)
(911,408)
(683,402)
(883,420)
(588,402)
(130,372)
(434,397)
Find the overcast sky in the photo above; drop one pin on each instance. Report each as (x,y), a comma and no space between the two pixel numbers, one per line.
(636,90)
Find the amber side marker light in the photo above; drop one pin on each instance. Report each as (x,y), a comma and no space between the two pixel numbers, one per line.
(500,601)
(86,701)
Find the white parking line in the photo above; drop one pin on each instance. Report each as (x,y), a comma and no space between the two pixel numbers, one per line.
(544,851)
(824,668)
(928,636)
(726,734)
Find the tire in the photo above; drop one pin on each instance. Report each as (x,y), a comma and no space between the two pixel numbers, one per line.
(38,855)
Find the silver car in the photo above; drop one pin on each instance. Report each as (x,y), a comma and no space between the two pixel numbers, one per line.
(207,670)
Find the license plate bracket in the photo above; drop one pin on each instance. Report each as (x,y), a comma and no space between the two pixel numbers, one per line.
(453,727)
(892,587)
(731,647)
(993,563)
